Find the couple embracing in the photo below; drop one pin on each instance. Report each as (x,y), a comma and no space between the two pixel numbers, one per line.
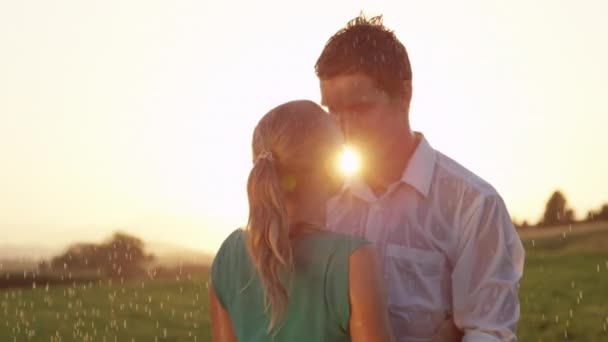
(413,248)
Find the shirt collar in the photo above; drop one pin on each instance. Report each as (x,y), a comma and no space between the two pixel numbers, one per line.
(421,167)
(418,173)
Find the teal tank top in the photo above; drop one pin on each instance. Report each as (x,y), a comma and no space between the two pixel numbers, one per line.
(318,308)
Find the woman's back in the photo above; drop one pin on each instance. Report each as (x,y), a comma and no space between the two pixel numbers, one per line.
(318,307)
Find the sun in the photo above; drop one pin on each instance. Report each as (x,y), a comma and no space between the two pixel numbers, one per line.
(349,162)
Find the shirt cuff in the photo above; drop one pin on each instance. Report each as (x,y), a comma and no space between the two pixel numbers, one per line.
(478,336)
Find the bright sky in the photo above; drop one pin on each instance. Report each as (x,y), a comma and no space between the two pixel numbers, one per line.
(138,114)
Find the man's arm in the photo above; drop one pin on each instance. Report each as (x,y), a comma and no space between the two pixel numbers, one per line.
(488,266)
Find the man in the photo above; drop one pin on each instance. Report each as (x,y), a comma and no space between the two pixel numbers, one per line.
(449,250)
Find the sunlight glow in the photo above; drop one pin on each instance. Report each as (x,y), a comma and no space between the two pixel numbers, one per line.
(349,162)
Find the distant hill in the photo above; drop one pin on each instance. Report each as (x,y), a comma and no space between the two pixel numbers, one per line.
(17,265)
(530,233)
(26,257)
(27,252)
(169,254)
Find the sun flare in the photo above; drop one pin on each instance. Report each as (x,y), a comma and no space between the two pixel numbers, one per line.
(349,162)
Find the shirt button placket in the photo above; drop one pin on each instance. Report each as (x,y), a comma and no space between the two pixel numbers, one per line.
(374,232)
(372,223)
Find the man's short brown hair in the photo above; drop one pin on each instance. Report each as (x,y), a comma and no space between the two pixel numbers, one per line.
(366,46)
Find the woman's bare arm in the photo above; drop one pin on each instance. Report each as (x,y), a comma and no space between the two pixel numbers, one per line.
(369,319)
(221,325)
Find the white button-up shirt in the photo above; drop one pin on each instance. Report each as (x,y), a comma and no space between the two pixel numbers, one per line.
(447,246)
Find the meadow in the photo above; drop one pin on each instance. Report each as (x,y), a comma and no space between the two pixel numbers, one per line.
(156,310)
(564,291)
(564,296)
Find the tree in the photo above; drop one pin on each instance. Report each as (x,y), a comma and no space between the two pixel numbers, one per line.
(78,257)
(556,211)
(603,213)
(600,215)
(126,256)
(569,216)
(121,256)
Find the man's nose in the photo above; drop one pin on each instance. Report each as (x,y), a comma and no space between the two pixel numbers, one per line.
(346,126)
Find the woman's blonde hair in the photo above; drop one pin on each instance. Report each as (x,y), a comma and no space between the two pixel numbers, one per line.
(287,141)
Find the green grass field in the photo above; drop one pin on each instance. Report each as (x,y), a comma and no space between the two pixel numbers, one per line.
(157,310)
(564,296)
(564,292)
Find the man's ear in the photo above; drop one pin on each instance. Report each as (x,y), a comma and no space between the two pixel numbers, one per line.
(406,94)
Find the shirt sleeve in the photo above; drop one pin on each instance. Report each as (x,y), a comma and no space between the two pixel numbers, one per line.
(486,274)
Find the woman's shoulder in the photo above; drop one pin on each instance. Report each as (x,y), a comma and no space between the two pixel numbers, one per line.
(344,237)
(234,241)
(237,236)
(340,241)
(225,263)
(229,254)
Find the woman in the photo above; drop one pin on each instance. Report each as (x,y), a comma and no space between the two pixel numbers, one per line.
(285,278)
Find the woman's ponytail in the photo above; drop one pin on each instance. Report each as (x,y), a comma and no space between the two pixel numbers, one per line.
(268,234)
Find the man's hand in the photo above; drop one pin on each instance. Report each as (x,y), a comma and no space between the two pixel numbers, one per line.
(448,332)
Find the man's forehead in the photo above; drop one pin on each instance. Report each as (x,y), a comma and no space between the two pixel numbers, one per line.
(347,89)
